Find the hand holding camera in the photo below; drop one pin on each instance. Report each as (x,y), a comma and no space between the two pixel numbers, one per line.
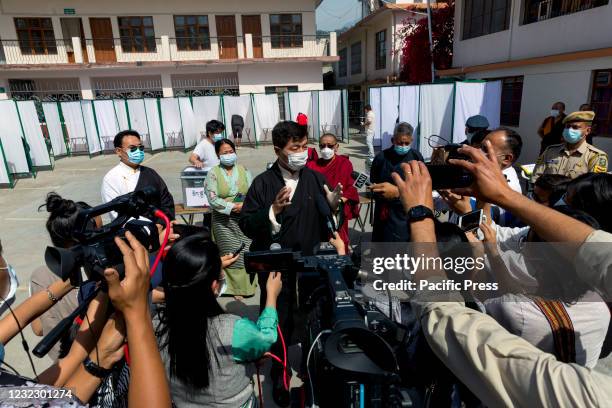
(416,189)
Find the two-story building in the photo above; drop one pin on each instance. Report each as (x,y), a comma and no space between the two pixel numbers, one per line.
(544,51)
(77,49)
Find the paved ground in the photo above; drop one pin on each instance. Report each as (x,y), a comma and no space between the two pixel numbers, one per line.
(24,236)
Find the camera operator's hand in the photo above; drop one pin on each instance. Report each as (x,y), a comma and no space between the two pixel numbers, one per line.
(458,203)
(110,345)
(130,295)
(171,237)
(387,190)
(489,184)
(282,200)
(273,288)
(228,260)
(416,190)
(333,197)
(338,243)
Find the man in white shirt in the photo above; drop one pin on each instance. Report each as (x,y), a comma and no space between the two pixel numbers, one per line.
(129,175)
(204,156)
(370,120)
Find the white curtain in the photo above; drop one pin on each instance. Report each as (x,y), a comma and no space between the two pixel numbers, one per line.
(205,109)
(171,120)
(267,115)
(190,130)
(330,112)
(476,98)
(375,104)
(138,119)
(409,109)
(122,114)
(108,124)
(54,127)
(302,102)
(4,175)
(389,106)
(90,127)
(239,105)
(12,142)
(33,134)
(75,125)
(152,117)
(436,112)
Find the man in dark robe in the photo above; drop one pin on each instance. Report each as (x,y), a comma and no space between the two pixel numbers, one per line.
(284,206)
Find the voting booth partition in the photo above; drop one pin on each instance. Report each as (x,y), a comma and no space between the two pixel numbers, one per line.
(433,109)
(33,134)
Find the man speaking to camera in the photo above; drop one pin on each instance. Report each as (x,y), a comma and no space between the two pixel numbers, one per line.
(129,175)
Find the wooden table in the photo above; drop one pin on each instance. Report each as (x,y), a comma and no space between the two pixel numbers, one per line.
(364,200)
(188,214)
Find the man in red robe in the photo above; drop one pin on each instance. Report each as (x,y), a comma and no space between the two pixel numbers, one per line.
(337,169)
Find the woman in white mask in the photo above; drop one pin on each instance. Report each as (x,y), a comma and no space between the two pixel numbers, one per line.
(337,169)
(226,186)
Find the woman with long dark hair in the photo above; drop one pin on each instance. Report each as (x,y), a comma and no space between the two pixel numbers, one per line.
(201,345)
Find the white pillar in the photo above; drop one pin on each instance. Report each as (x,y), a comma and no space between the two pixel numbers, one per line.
(77,49)
(333,44)
(86,88)
(165,43)
(248,38)
(166,80)
(4,88)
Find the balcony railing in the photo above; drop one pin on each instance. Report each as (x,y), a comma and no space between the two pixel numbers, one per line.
(164,49)
(538,10)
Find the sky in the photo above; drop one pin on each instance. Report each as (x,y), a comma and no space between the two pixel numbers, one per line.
(335,14)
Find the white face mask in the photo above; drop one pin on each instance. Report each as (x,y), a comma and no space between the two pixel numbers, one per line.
(554,112)
(297,160)
(327,153)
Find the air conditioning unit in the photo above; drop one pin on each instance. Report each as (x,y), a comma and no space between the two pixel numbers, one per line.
(544,9)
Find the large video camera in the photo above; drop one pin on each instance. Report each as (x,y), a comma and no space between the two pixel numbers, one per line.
(96,249)
(443,174)
(352,345)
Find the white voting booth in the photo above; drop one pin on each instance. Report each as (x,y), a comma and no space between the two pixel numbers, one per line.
(433,109)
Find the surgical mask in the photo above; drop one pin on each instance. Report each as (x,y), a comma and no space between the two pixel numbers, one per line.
(469,136)
(135,157)
(554,112)
(297,160)
(223,288)
(228,159)
(572,136)
(217,137)
(401,150)
(327,153)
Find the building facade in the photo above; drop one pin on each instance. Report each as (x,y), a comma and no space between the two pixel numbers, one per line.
(64,50)
(544,51)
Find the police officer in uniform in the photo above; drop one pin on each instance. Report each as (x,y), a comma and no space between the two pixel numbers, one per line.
(575,156)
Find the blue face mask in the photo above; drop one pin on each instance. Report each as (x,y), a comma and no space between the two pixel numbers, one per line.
(1,352)
(217,137)
(572,136)
(135,157)
(401,150)
(228,159)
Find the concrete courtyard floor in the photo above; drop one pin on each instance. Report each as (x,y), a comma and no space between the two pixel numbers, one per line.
(25,238)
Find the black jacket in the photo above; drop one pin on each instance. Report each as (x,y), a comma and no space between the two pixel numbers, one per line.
(163,200)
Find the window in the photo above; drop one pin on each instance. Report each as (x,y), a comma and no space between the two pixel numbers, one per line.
(511,96)
(342,63)
(537,10)
(601,101)
(286,30)
(192,33)
(137,34)
(35,36)
(356,58)
(482,17)
(381,49)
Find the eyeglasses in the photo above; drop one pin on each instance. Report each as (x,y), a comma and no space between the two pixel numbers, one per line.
(133,149)
(323,145)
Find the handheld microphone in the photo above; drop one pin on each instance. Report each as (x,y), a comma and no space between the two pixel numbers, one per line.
(361,179)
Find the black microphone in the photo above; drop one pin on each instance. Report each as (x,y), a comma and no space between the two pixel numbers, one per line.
(325,211)
(361,179)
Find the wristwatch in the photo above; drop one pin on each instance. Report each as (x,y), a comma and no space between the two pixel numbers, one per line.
(95,370)
(419,213)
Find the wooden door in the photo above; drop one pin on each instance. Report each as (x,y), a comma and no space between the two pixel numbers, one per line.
(226,37)
(252,25)
(102,35)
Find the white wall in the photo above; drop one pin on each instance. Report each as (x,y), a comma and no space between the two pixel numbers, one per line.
(585,30)
(255,77)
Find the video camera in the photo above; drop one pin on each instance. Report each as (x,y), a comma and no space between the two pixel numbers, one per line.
(443,174)
(96,249)
(352,346)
